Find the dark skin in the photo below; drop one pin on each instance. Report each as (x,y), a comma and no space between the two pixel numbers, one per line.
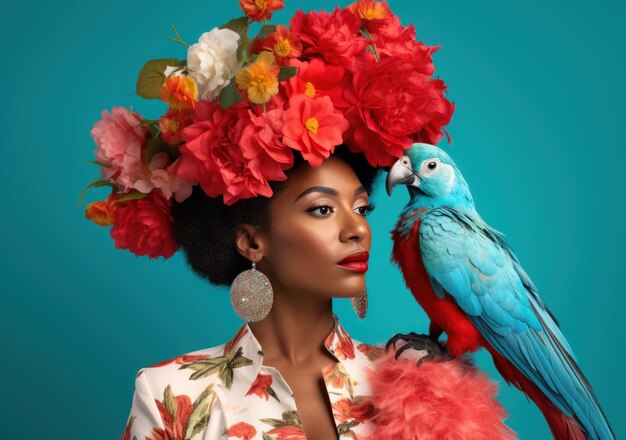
(299,253)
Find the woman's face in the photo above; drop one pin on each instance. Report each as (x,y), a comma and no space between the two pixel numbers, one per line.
(317,219)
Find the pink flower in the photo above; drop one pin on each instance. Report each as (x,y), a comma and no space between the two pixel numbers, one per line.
(314,127)
(120,138)
(334,37)
(162,175)
(144,227)
(213,152)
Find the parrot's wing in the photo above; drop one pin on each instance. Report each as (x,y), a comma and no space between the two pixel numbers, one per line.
(471,262)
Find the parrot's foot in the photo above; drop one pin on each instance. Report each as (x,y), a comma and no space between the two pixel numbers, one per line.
(421,347)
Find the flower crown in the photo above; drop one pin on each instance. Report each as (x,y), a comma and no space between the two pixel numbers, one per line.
(237,108)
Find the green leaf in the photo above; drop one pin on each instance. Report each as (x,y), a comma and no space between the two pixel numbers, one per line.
(97,162)
(230,95)
(199,417)
(170,402)
(272,393)
(156,146)
(239,25)
(226,375)
(131,196)
(266,436)
(286,72)
(266,29)
(152,76)
(95,184)
(292,418)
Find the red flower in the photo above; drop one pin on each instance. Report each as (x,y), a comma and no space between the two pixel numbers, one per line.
(288,433)
(393,106)
(241,430)
(230,345)
(359,409)
(260,144)
(175,423)
(313,127)
(184,359)
(158,434)
(316,79)
(260,386)
(394,40)
(371,351)
(129,427)
(213,154)
(334,37)
(282,42)
(144,227)
(344,347)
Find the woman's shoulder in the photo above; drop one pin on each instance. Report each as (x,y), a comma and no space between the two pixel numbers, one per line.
(189,373)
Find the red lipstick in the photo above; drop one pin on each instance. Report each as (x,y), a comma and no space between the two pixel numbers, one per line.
(356,261)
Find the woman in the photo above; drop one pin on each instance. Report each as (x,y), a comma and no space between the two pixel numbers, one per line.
(295,373)
(260,170)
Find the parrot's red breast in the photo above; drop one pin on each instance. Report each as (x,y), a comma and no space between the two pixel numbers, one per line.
(444,313)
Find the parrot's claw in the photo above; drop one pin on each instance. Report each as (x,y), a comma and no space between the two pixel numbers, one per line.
(424,347)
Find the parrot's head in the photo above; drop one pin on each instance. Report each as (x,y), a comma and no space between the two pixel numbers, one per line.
(431,177)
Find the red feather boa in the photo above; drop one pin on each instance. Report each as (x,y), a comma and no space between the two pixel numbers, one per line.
(435,400)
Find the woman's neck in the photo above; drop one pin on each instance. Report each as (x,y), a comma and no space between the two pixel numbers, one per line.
(295,329)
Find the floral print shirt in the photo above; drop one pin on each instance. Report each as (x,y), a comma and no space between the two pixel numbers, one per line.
(225,392)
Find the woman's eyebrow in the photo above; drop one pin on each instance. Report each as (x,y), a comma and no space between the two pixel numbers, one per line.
(327,190)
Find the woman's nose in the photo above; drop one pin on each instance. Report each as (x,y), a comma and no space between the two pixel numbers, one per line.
(355,228)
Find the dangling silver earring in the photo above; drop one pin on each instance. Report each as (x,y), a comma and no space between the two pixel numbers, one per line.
(251,295)
(359,303)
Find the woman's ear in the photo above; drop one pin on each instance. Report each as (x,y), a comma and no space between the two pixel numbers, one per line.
(249,241)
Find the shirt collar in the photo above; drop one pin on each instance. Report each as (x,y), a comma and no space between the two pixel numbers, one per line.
(247,355)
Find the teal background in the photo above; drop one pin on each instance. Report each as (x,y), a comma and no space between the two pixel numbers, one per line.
(538,132)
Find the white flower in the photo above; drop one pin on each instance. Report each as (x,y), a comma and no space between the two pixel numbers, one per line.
(212,61)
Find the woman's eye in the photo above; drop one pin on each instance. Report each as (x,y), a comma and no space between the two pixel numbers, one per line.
(366,209)
(323,209)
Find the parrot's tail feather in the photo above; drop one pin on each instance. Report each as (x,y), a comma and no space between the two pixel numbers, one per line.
(562,426)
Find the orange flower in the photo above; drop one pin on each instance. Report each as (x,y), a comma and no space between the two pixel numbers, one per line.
(258,10)
(241,430)
(172,123)
(260,386)
(370,10)
(260,78)
(282,42)
(179,92)
(103,213)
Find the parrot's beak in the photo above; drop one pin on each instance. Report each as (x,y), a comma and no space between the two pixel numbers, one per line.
(400,172)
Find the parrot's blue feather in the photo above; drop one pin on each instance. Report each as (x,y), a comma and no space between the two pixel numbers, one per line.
(438,288)
(472,263)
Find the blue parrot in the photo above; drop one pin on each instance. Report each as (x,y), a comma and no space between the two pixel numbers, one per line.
(473,288)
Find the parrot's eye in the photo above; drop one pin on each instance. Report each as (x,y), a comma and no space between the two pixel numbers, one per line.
(432,165)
